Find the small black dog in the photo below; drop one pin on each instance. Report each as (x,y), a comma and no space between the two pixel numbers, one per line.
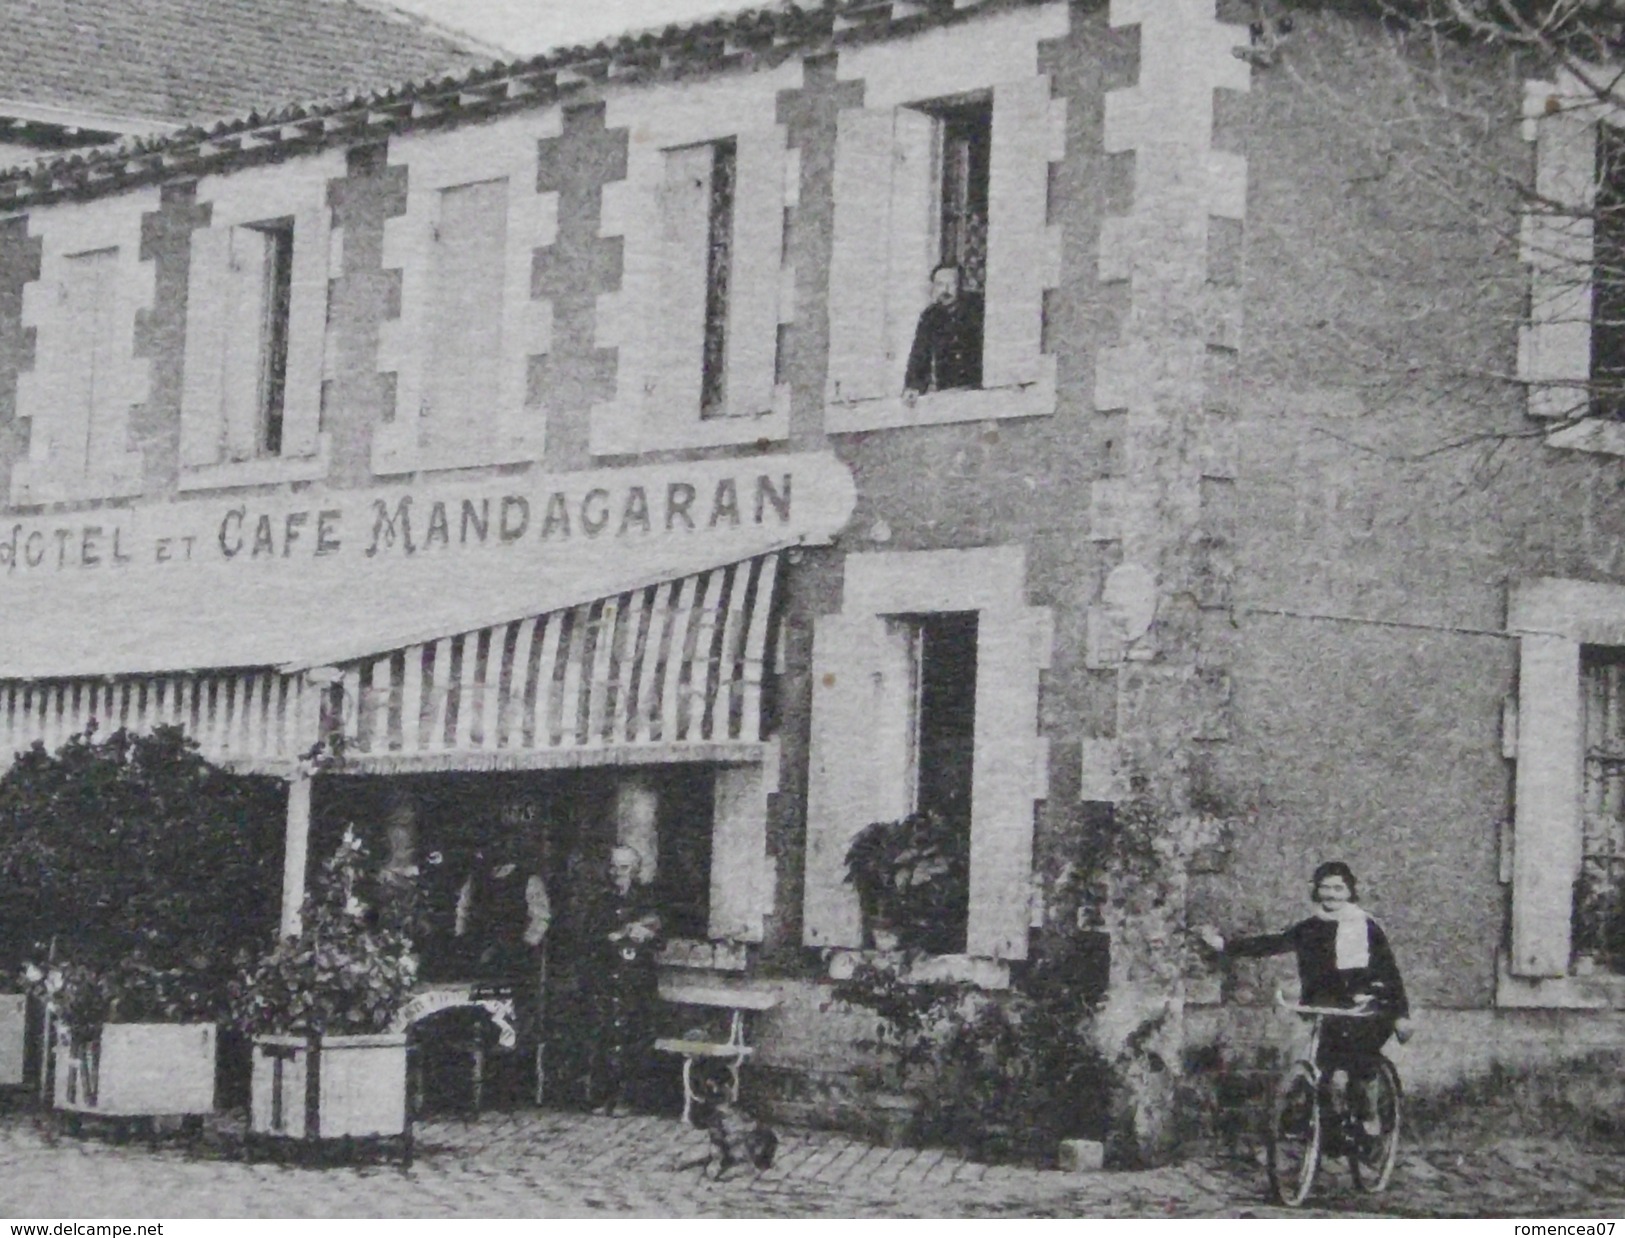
(736,1137)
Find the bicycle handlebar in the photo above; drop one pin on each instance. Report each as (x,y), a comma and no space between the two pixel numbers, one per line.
(1367,1011)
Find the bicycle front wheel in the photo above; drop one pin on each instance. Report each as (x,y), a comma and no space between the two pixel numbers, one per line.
(1293,1138)
(1375,1149)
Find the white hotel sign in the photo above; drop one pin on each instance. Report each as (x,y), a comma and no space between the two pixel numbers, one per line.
(274,579)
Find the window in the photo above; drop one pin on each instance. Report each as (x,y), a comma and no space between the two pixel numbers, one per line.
(707,279)
(461,354)
(947,162)
(966,137)
(461,387)
(942,747)
(262,255)
(926,698)
(1566,865)
(256,328)
(1598,929)
(1608,277)
(698,223)
(85,379)
(719,269)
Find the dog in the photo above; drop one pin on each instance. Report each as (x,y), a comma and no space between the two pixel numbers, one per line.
(737,1138)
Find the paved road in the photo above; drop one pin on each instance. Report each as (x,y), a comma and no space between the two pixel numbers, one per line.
(549,1164)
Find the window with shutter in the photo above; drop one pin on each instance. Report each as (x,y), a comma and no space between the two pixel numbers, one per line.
(926,698)
(86,379)
(1568,851)
(458,356)
(947,163)
(705,280)
(256,328)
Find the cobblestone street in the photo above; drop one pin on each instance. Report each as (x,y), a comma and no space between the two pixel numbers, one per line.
(553,1164)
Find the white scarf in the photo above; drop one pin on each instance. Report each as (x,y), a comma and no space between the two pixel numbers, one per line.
(1353,938)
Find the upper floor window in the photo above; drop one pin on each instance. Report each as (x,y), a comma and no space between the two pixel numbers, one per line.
(1608,277)
(943,247)
(255,373)
(698,224)
(461,356)
(86,379)
(707,281)
(947,350)
(256,327)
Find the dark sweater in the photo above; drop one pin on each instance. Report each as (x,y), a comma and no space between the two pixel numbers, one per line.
(947,348)
(1314,941)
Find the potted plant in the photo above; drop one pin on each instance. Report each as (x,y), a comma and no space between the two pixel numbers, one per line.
(134,874)
(320,1008)
(910,876)
(131,1039)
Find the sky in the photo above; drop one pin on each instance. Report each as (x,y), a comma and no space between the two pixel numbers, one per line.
(528,26)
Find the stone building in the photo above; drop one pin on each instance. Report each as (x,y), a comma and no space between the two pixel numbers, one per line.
(536,442)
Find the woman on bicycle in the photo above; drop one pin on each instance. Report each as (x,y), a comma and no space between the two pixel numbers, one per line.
(1344,959)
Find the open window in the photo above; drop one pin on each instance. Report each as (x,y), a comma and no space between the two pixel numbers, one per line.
(697,201)
(256,330)
(946,164)
(926,700)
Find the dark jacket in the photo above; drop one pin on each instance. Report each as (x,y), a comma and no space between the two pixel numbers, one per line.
(947,348)
(1314,941)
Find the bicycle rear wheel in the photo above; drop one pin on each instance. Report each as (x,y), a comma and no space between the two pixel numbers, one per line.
(1293,1138)
(1372,1155)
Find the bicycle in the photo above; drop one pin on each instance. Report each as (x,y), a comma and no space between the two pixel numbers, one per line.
(1306,1123)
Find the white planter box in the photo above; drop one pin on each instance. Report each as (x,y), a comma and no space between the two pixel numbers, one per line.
(13,1036)
(138,1070)
(331,1088)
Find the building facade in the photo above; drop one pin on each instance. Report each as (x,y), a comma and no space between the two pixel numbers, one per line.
(533,449)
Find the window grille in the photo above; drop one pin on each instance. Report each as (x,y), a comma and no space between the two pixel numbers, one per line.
(1599,894)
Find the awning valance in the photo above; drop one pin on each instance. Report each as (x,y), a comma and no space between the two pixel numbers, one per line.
(672,670)
(677,667)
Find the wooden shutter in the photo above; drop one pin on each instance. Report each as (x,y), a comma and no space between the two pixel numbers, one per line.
(859,265)
(1010,771)
(244,359)
(859,770)
(678,321)
(1546,842)
(912,244)
(739,853)
(202,391)
(753,309)
(307,334)
(463,349)
(1020,260)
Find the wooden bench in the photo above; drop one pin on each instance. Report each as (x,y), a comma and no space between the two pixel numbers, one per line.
(734,1051)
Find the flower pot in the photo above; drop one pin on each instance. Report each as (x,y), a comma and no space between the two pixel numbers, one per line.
(137,1070)
(329,1087)
(13,1038)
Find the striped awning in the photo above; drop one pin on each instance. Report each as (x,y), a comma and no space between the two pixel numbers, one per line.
(671,671)
(677,665)
(246,718)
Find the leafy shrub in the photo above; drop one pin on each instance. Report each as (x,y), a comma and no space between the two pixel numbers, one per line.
(349,970)
(999,1076)
(135,875)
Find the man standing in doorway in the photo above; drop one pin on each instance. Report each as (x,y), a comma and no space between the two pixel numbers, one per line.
(947,350)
